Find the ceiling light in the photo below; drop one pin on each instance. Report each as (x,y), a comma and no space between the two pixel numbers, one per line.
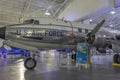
(90,20)
(104,35)
(112,12)
(111,25)
(47,13)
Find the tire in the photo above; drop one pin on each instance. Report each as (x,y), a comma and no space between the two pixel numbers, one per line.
(116,58)
(119,59)
(30,63)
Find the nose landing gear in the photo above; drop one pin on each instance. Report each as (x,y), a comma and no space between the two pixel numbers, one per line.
(30,63)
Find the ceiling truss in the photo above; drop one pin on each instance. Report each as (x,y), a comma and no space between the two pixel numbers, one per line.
(16,11)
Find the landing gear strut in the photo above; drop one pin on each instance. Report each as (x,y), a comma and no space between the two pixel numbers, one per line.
(30,63)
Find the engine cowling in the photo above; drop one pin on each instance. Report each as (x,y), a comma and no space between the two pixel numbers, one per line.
(101,50)
(102,44)
(118,37)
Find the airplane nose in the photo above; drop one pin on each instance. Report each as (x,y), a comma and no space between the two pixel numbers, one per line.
(2,32)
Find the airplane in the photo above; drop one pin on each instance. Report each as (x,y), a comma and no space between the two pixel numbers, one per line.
(47,34)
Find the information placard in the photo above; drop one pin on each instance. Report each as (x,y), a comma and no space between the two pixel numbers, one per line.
(82,53)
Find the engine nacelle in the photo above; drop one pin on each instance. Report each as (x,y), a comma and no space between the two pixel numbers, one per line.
(101,50)
(102,44)
(118,37)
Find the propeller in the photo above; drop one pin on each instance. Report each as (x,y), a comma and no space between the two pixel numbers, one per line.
(91,36)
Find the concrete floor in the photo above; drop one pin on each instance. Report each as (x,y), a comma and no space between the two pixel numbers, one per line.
(48,69)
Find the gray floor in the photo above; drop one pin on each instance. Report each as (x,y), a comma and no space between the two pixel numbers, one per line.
(48,68)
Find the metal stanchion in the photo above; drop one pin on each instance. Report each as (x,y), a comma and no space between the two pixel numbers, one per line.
(89,56)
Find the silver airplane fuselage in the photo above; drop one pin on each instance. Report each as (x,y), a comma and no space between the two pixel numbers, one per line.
(54,35)
(44,36)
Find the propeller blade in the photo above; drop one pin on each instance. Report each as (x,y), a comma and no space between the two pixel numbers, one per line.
(98,26)
(91,36)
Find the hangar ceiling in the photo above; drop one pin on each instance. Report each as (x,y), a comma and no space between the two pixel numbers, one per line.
(112,16)
(92,11)
(15,11)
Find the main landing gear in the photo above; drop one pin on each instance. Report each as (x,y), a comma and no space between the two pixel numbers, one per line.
(116,58)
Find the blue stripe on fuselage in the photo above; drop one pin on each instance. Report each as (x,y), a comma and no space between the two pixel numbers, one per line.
(30,37)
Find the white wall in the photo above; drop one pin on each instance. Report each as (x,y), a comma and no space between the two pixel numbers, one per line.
(81,8)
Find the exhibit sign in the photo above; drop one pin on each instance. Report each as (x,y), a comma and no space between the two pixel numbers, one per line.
(82,53)
(63,58)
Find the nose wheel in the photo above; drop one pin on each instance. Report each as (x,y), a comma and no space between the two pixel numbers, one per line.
(30,63)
